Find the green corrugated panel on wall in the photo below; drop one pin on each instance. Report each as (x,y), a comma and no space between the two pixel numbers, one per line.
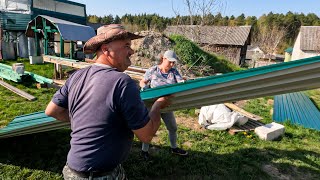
(14,21)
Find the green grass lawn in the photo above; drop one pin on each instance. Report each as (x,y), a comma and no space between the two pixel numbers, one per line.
(212,154)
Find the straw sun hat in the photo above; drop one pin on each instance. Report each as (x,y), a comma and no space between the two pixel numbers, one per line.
(106,34)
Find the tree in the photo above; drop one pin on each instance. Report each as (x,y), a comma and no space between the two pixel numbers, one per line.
(240,20)
(202,10)
(117,19)
(268,38)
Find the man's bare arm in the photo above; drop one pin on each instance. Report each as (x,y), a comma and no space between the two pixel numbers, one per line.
(146,133)
(57,112)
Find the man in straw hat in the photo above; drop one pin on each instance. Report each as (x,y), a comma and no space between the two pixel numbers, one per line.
(104,108)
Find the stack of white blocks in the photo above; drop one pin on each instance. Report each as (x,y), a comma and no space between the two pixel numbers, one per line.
(270,131)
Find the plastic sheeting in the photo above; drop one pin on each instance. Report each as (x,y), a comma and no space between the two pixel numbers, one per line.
(219,117)
(22,46)
(17,6)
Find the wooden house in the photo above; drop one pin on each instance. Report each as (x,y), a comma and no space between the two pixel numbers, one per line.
(229,41)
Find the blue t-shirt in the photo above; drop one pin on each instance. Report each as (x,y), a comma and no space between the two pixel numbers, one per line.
(157,78)
(104,107)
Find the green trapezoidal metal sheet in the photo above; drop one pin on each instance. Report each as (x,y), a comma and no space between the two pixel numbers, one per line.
(296,108)
(269,80)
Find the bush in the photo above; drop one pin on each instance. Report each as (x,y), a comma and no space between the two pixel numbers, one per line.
(192,55)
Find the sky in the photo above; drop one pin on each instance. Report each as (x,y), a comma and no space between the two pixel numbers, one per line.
(170,8)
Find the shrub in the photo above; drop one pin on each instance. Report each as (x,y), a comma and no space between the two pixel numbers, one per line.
(192,55)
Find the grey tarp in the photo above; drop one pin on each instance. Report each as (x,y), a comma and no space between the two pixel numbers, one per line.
(68,30)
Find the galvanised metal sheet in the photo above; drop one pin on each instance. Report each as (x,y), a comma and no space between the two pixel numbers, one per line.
(296,108)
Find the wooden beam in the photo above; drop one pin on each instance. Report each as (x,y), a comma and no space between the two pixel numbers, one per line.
(243,112)
(17,91)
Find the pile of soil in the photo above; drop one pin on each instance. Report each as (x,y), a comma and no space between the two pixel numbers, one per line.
(148,48)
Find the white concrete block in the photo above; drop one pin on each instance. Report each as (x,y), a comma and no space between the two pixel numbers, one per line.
(36,59)
(270,131)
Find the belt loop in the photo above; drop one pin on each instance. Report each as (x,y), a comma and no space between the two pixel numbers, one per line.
(91,175)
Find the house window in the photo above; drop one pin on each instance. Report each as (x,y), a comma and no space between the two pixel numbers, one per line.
(11,21)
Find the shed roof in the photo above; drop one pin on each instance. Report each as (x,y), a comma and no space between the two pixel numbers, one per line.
(310,40)
(68,30)
(220,35)
(289,50)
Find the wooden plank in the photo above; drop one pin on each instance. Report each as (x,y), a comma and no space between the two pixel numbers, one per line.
(18,91)
(243,112)
(249,126)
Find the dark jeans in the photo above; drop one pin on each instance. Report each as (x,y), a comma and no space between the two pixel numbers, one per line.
(117,174)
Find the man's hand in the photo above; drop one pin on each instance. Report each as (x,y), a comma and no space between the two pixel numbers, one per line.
(164,102)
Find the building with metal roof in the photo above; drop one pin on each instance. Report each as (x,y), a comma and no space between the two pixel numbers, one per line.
(15,16)
(307,43)
(230,41)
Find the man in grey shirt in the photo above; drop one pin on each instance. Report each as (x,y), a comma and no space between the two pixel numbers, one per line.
(104,108)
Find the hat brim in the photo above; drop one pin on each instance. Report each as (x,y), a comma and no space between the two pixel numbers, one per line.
(95,42)
(172,59)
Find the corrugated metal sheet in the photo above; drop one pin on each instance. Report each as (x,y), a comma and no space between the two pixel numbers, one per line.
(67,10)
(31,123)
(68,17)
(259,82)
(218,35)
(68,30)
(310,38)
(14,21)
(296,108)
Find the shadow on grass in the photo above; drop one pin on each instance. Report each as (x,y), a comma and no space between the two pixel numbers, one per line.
(48,151)
(43,151)
(250,163)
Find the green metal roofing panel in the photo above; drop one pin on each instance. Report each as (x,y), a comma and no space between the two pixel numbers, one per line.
(6,72)
(31,123)
(269,80)
(14,21)
(296,108)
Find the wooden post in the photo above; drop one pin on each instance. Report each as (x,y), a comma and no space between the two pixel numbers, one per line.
(45,46)
(36,39)
(71,49)
(61,46)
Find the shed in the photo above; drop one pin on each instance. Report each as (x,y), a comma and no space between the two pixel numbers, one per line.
(53,30)
(229,41)
(307,43)
(288,54)
(15,15)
